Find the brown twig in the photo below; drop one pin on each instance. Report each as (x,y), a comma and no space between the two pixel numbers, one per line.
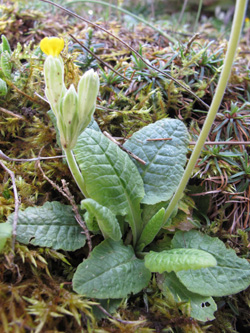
(124,149)
(131,48)
(77,214)
(10,113)
(17,203)
(11,84)
(115,319)
(9,159)
(95,56)
(190,42)
(160,139)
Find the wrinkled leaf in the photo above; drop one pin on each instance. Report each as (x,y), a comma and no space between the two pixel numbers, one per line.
(202,307)
(165,160)
(106,220)
(178,260)
(6,64)
(110,176)
(5,45)
(3,87)
(5,233)
(230,276)
(151,229)
(111,271)
(51,225)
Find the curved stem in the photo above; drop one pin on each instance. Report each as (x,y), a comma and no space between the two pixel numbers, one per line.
(76,173)
(228,63)
(128,13)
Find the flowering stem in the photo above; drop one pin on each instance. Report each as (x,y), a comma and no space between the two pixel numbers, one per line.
(76,173)
(228,63)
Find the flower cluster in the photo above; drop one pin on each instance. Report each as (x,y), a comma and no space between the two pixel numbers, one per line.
(73,109)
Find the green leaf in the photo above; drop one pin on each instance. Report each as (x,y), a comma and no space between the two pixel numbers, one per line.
(6,64)
(151,229)
(106,220)
(111,271)
(5,45)
(110,176)
(3,87)
(230,276)
(164,159)
(148,211)
(52,225)
(202,307)
(5,233)
(178,260)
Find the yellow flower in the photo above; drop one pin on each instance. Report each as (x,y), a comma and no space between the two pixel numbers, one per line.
(52,46)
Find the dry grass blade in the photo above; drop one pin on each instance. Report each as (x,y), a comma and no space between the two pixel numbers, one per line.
(95,56)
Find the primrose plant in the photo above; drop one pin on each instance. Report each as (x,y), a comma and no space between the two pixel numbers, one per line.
(125,202)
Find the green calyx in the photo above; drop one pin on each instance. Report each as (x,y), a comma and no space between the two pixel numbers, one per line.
(72,109)
(54,80)
(88,88)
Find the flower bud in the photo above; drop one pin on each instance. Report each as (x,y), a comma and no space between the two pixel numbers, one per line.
(54,79)
(73,110)
(67,121)
(88,88)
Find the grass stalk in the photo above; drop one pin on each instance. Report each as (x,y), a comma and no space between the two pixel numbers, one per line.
(198,15)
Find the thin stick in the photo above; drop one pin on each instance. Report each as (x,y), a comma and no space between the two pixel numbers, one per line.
(11,84)
(124,149)
(243,143)
(9,159)
(117,319)
(44,99)
(11,113)
(95,56)
(17,203)
(77,214)
(160,139)
(131,48)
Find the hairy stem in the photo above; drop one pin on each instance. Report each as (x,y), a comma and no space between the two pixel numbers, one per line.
(228,63)
(76,173)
